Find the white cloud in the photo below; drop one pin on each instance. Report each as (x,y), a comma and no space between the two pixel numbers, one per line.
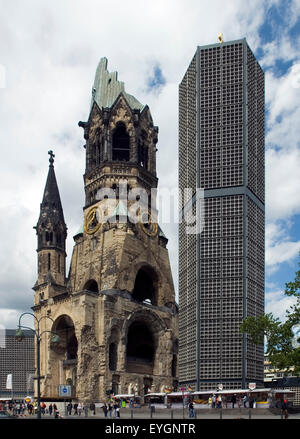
(281,252)
(282,183)
(277,303)
(9,318)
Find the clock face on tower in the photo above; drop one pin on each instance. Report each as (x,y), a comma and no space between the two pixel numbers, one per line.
(147,226)
(91,221)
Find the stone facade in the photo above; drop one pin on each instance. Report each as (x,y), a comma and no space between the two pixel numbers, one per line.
(115,312)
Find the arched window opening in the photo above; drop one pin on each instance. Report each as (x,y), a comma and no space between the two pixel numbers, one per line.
(112,362)
(91,285)
(140,348)
(68,345)
(120,143)
(145,286)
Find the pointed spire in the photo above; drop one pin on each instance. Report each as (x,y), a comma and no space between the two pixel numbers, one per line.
(51,204)
(51,217)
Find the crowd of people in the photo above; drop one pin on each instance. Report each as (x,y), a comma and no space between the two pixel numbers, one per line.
(217,401)
(111,409)
(21,408)
(79,408)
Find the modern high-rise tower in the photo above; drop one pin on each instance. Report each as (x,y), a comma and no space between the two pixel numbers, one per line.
(221,269)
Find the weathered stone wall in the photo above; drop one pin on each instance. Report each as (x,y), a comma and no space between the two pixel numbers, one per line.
(93,309)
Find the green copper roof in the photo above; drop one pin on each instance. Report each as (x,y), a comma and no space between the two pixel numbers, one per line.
(107,88)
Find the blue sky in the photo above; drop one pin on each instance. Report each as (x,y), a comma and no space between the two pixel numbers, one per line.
(276,27)
(49,53)
(156,80)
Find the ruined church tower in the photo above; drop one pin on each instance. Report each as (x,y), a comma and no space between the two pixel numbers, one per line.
(115,311)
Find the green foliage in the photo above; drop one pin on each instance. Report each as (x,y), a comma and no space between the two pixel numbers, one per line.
(279,336)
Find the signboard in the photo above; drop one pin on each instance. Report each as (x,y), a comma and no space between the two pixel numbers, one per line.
(252,386)
(64,390)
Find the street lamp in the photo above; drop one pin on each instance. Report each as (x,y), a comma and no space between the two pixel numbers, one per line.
(20,337)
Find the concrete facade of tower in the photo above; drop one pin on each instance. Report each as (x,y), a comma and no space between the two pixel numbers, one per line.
(221,269)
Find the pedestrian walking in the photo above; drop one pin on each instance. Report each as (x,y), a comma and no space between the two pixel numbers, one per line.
(75,408)
(79,408)
(50,409)
(245,401)
(284,408)
(213,401)
(210,402)
(233,400)
(105,410)
(86,409)
(191,410)
(54,409)
(219,402)
(21,409)
(110,410)
(69,408)
(116,405)
(93,407)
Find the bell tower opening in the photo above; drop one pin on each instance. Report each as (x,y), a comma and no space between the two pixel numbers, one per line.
(145,286)
(91,285)
(120,143)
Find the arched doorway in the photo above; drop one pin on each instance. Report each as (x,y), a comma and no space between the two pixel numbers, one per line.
(63,354)
(140,348)
(145,286)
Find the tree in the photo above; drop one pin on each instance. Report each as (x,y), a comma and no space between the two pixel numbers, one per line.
(280,337)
